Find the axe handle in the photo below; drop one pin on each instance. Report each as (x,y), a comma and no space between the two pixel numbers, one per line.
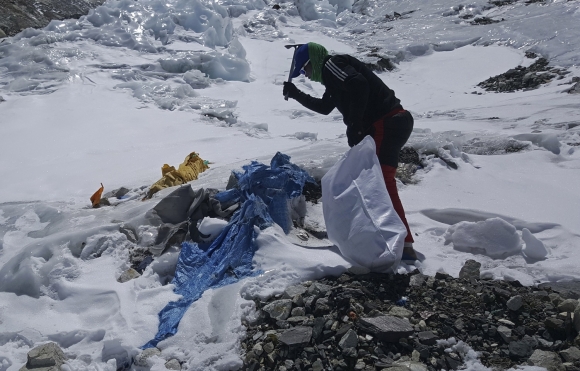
(292,65)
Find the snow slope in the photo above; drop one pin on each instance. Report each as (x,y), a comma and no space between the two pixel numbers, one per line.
(113,96)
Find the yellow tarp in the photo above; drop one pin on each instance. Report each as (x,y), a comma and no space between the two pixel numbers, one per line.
(189,170)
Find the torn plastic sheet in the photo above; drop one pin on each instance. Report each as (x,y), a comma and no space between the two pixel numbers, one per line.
(228,259)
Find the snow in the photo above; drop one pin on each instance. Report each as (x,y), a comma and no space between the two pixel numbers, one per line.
(113,96)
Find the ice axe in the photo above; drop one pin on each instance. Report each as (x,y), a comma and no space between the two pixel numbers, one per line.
(295,46)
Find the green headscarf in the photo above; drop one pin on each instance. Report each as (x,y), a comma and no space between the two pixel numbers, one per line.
(317,53)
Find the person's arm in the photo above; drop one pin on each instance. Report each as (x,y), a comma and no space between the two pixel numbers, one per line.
(323,105)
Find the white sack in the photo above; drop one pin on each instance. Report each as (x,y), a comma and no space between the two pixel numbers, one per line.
(358,212)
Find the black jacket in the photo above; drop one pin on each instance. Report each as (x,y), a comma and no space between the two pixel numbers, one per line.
(360,95)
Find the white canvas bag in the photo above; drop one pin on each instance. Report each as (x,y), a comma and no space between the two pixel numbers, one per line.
(359,215)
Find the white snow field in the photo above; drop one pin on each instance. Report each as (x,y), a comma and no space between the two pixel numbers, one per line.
(133,85)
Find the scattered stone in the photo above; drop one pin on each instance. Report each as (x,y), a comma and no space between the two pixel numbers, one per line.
(515,303)
(521,349)
(48,357)
(484,20)
(470,269)
(173,364)
(523,78)
(142,358)
(296,336)
(128,275)
(349,340)
(568,305)
(549,360)
(346,322)
(427,338)
(387,328)
(292,291)
(117,193)
(506,322)
(400,312)
(129,232)
(567,290)
(279,309)
(16,16)
(571,354)
(2,98)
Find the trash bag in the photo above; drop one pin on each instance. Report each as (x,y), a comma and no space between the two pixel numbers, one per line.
(359,215)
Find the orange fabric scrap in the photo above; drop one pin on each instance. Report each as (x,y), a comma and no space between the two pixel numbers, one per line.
(96,197)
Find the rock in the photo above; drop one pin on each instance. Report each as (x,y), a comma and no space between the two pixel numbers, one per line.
(349,340)
(387,328)
(400,312)
(129,232)
(128,275)
(575,89)
(16,16)
(1,97)
(299,311)
(427,338)
(470,270)
(318,289)
(577,318)
(258,349)
(296,336)
(269,347)
(143,357)
(279,309)
(556,328)
(49,357)
(505,333)
(292,291)
(571,354)
(173,364)
(567,290)
(568,305)
(520,349)
(417,280)
(506,322)
(549,360)
(515,303)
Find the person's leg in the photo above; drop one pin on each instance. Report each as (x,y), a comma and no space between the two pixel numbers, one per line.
(390,136)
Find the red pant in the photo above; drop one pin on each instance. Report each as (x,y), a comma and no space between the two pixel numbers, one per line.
(390,134)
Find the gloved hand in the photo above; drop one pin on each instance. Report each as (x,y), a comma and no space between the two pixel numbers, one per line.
(354,135)
(290,90)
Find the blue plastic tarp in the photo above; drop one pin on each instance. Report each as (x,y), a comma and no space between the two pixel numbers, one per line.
(274,184)
(263,192)
(228,259)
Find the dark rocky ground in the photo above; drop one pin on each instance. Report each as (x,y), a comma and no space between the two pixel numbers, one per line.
(16,15)
(402,322)
(525,78)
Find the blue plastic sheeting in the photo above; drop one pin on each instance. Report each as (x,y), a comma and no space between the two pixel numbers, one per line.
(263,192)
(274,184)
(228,259)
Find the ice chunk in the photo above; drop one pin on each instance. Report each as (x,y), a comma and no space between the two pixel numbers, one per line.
(196,79)
(547,141)
(211,227)
(493,237)
(534,249)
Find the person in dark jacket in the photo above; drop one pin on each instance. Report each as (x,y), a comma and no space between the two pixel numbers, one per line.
(367,105)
